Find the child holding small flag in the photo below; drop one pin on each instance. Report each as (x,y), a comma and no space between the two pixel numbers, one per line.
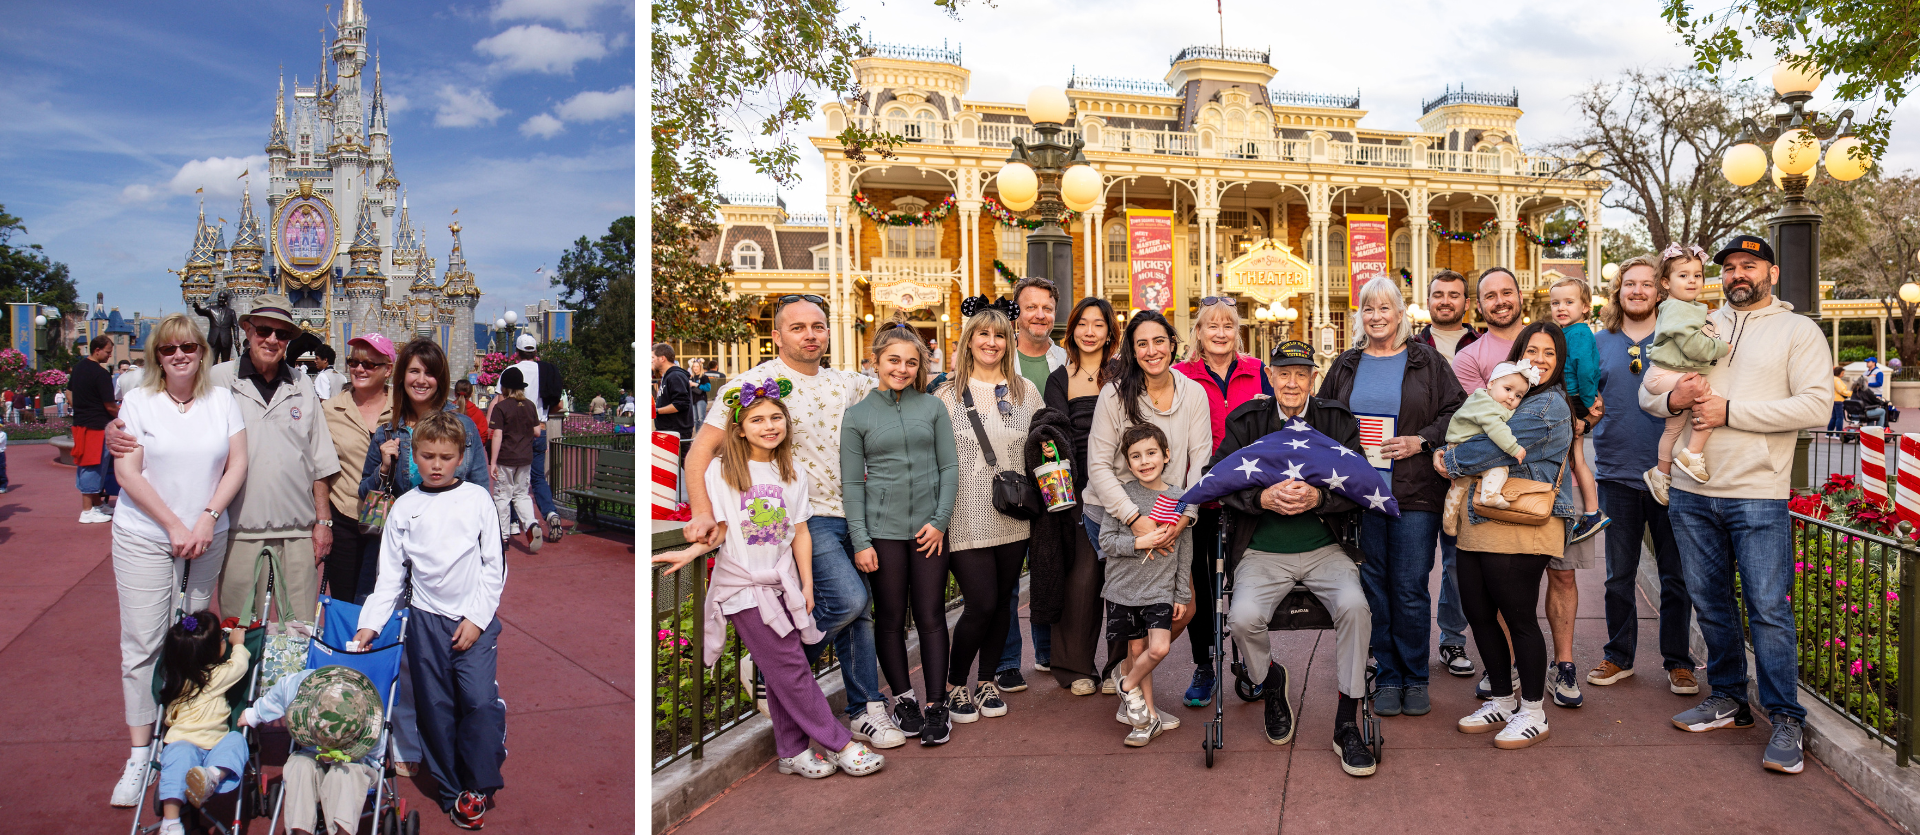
(1146,586)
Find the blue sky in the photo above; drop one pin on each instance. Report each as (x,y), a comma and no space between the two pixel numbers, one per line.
(519,113)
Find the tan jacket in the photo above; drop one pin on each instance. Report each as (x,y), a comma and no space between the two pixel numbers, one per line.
(351,436)
(1189,428)
(1777,379)
(288,449)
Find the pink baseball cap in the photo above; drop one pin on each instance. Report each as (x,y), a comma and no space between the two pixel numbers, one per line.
(375,342)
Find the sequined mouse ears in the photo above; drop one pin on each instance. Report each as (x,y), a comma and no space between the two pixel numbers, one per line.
(772,388)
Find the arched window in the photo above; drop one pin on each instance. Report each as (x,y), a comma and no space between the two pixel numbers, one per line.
(1337,245)
(1013,247)
(1116,236)
(1402,250)
(746,256)
(1484,252)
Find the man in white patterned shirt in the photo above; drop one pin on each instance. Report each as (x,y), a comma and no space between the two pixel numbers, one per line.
(819,400)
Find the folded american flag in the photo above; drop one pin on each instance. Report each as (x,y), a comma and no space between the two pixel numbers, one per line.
(1166,511)
(1298,451)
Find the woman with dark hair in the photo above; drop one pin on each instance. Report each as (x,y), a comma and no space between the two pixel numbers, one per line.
(1502,563)
(1144,388)
(1073,390)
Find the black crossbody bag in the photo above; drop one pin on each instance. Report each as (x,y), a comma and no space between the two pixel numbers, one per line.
(1014,495)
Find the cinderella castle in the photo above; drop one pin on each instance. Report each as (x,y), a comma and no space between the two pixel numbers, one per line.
(331,173)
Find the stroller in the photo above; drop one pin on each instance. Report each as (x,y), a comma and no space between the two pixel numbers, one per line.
(250,803)
(1300,610)
(380,663)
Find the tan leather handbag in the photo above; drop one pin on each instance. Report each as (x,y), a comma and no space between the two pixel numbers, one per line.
(1529,502)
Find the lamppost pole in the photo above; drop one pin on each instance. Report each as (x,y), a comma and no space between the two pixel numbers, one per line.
(1054,177)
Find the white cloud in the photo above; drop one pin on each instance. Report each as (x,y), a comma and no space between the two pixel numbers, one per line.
(397,102)
(593,106)
(138,193)
(543,126)
(573,13)
(535,48)
(465,108)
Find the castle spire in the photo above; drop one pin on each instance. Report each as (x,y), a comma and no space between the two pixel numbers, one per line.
(277,141)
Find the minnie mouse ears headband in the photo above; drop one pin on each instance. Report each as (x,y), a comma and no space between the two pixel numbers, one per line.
(772,388)
(975,304)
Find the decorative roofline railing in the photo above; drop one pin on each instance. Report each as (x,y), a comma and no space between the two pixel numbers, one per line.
(1315,100)
(753,200)
(807,219)
(1461,96)
(1121,85)
(1223,53)
(940,55)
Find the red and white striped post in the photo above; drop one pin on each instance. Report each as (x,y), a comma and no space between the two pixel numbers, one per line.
(1906,493)
(1873,463)
(666,474)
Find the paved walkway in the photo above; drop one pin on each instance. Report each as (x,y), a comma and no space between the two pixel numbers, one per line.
(1055,763)
(566,672)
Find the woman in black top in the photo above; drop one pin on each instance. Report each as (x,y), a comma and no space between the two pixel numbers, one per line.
(1073,389)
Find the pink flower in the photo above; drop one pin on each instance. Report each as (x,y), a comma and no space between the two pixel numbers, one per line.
(1839,584)
(1893,595)
(1856,668)
(1798,566)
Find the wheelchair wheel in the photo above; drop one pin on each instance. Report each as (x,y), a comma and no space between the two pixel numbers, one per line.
(1210,741)
(1243,686)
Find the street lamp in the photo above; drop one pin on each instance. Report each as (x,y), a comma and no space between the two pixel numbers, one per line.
(1796,134)
(1054,177)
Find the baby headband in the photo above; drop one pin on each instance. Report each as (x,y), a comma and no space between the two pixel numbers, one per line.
(975,304)
(1526,370)
(1675,250)
(772,388)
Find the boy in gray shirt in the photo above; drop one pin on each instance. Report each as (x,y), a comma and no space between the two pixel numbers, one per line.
(1147,587)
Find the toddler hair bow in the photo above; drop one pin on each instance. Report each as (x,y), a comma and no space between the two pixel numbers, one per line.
(772,388)
(1676,249)
(1524,369)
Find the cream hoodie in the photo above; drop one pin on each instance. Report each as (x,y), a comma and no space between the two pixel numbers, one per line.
(1777,380)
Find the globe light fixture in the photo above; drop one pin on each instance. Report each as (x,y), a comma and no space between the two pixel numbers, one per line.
(1841,162)
(1047,104)
(1910,293)
(1080,187)
(39,321)
(1017,183)
(1048,173)
(500,324)
(868,318)
(1610,271)
(1796,152)
(1744,164)
(1778,182)
(512,317)
(1787,80)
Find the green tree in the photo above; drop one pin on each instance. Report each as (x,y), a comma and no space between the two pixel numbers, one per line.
(1870,245)
(28,275)
(596,278)
(580,373)
(1873,45)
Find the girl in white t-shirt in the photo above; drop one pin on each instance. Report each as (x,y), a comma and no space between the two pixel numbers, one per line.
(175,489)
(763,581)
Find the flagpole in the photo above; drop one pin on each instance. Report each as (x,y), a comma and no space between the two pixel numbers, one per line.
(1219,8)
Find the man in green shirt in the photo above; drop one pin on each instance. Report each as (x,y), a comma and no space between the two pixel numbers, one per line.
(1291,534)
(1036,299)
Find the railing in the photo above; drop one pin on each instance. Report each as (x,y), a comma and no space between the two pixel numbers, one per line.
(1001,134)
(912,130)
(1853,598)
(1121,85)
(1461,96)
(1471,162)
(571,459)
(1285,150)
(941,55)
(753,200)
(1220,53)
(809,219)
(1143,141)
(1838,453)
(930,270)
(1279,97)
(1388,156)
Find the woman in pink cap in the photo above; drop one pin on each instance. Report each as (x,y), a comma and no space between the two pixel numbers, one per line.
(352,415)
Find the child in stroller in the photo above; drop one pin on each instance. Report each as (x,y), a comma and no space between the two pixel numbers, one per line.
(336,763)
(202,756)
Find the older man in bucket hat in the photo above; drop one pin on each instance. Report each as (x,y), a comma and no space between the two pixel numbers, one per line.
(282,516)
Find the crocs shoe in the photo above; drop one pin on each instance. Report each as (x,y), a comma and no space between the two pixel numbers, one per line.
(202,782)
(469,811)
(858,761)
(809,764)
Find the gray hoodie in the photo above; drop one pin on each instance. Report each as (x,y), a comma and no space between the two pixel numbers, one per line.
(1132,578)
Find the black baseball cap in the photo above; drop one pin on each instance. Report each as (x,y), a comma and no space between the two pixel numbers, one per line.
(1291,352)
(1749,244)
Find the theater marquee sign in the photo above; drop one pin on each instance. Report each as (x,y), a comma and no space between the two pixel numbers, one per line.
(1268,273)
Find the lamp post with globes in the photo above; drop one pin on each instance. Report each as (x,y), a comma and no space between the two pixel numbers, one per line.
(1796,134)
(1054,177)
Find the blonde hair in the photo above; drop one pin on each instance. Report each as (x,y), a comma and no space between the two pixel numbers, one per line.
(737,451)
(1613,315)
(1210,312)
(963,364)
(174,329)
(1371,291)
(898,331)
(1586,294)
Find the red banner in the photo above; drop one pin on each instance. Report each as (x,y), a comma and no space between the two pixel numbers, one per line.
(1366,251)
(1150,257)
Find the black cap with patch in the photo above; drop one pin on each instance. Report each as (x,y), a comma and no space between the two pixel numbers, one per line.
(1749,244)
(1291,352)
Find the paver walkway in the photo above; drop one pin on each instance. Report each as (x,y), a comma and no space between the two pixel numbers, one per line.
(565,670)
(1055,763)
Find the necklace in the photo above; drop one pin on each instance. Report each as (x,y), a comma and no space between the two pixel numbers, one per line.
(178,404)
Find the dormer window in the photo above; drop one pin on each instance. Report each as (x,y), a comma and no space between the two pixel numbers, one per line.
(306,139)
(746,255)
(306,158)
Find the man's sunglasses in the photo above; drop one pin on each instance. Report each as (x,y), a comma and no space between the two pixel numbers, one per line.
(1634,365)
(190,348)
(366,364)
(282,334)
(802,297)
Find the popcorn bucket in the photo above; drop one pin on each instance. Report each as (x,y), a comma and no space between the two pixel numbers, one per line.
(1056,485)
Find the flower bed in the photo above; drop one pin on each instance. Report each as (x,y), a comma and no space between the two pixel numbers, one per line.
(1846,600)
(39,430)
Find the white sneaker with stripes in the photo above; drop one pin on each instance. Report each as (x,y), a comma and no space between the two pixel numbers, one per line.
(1525,728)
(1492,715)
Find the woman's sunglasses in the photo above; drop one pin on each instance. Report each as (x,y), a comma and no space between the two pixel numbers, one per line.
(190,348)
(1000,393)
(1226,300)
(366,364)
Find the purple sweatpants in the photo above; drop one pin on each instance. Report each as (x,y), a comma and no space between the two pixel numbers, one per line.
(794,702)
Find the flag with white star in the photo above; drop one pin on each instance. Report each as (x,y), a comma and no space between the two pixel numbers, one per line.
(1298,451)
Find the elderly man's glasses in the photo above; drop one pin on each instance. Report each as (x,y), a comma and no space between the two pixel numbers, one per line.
(190,348)
(282,334)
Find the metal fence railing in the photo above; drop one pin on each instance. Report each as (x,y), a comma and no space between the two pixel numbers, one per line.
(1838,453)
(571,459)
(1853,599)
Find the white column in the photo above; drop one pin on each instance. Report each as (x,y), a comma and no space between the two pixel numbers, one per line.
(1592,212)
(969,247)
(1096,255)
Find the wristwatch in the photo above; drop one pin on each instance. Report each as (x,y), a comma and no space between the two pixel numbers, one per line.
(214,513)
(1426,445)
(326,522)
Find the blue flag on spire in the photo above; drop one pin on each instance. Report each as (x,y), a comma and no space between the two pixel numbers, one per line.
(1298,451)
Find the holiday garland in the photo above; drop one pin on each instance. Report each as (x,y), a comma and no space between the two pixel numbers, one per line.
(1579,229)
(1526,231)
(1006,218)
(1468,237)
(924,217)
(1005,272)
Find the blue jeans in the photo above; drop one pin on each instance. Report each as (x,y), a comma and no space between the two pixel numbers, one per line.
(1452,618)
(1634,510)
(1399,560)
(1754,536)
(842,608)
(542,491)
(1042,638)
(230,753)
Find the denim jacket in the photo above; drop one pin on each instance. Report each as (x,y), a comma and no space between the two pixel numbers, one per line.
(473,465)
(1544,427)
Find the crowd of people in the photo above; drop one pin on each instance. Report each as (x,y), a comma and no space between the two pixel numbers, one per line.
(394,491)
(839,502)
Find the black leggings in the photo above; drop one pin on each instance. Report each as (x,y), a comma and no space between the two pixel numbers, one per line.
(902,571)
(1506,585)
(987,577)
(1206,546)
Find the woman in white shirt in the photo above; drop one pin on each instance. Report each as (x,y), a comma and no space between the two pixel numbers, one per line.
(175,489)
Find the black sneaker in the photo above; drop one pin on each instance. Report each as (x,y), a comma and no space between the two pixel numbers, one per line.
(906,716)
(991,704)
(960,707)
(1587,526)
(1279,709)
(1355,757)
(1009,681)
(1455,660)
(936,729)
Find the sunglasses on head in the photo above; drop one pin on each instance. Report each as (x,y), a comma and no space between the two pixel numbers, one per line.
(282,334)
(190,348)
(1226,300)
(802,297)
(366,364)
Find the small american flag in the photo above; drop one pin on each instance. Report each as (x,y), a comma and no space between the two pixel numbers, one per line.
(1298,451)
(1166,511)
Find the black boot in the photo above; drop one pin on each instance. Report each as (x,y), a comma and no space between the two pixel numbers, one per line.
(1279,705)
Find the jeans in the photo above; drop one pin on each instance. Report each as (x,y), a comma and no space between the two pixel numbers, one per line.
(1042,638)
(1839,418)
(3,469)
(1451,617)
(843,611)
(1399,559)
(1633,511)
(177,758)
(1716,537)
(542,491)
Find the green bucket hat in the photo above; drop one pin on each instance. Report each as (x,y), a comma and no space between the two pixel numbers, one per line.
(336,712)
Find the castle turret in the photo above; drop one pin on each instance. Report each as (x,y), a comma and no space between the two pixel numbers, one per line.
(462,296)
(247,278)
(196,281)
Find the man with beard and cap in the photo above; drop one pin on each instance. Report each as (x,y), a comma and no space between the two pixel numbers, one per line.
(1447,302)
(1775,380)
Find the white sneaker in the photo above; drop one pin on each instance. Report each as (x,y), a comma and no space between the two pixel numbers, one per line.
(1492,715)
(513,529)
(1083,687)
(106,509)
(858,761)
(126,793)
(1112,681)
(1525,728)
(1139,713)
(1140,736)
(876,727)
(809,765)
(1694,463)
(1657,482)
(1168,721)
(91,516)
